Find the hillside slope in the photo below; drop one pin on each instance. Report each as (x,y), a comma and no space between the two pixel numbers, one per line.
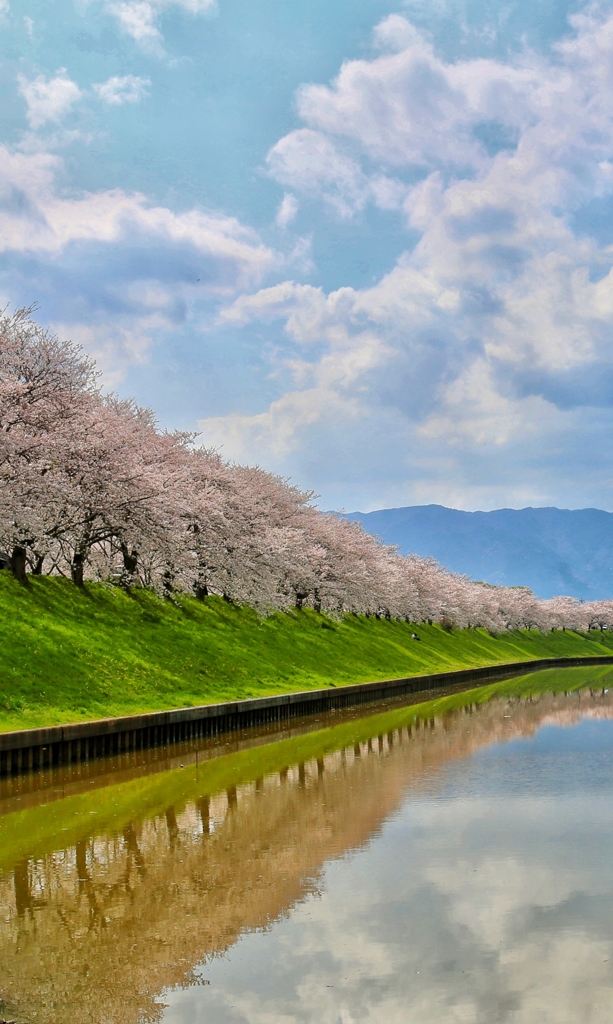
(551,550)
(70,655)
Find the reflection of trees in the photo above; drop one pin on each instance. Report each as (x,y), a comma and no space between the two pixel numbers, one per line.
(93,932)
(23,898)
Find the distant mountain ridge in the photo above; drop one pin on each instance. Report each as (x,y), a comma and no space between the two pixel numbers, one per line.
(551,550)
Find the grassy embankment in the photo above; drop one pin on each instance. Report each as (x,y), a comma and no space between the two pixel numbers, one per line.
(71,655)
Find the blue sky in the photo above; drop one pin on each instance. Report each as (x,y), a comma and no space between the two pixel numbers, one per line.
(366,245)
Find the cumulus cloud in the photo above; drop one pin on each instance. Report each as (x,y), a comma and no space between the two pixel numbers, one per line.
(111,268)
(277,430)
(288,208)
(48,99)
(311,163)
(122,89)
(36,217)
(494,332)
(114,344)
(409,106)
(139,18)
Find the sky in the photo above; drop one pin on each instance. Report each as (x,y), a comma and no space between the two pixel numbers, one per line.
(365,245)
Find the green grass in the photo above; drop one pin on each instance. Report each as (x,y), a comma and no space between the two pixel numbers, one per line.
(71,655)
(38,831)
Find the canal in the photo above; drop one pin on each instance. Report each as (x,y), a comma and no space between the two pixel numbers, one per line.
(433,862)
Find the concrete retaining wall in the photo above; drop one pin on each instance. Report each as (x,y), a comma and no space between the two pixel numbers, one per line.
(28,749)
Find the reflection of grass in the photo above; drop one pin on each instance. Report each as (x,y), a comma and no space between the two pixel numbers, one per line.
(61,823)
(70,655)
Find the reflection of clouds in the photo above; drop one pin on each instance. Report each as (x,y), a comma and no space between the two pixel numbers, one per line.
(486,898)
(511,885)
(494,895)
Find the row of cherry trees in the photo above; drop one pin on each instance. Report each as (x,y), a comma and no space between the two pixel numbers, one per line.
(91,488)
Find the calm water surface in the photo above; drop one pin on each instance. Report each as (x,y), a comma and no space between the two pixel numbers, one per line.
(435,863)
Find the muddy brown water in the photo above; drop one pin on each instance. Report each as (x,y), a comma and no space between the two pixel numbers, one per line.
(450,862)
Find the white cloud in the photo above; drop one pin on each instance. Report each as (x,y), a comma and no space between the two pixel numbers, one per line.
(395,34)
(48,99)
(311,163)
(288,208)
(114,345)
(111,268)
(398,108)
(276,430)
(122,89)
(494,333)
(29,26)
(40,219)
(408,109)
(139,18)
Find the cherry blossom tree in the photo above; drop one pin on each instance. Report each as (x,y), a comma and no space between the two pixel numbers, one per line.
(91,488)
(46,386)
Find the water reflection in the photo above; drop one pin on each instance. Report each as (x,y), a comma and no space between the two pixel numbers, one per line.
(429,864)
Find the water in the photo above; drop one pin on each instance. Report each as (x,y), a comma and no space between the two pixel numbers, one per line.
(439,864)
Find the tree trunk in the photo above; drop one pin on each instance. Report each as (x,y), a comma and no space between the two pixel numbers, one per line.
(130,559)
(316,601)
(18,563)
(38,565)
(201,591)
(300,599)
(77,568)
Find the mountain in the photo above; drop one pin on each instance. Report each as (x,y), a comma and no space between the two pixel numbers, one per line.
(551,550)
